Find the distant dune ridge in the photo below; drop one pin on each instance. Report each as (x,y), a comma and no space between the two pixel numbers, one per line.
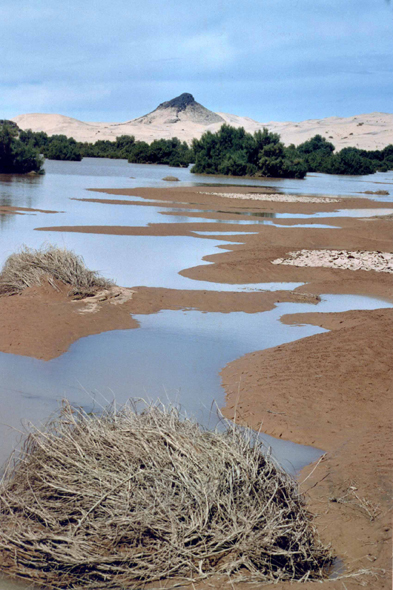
(185,118)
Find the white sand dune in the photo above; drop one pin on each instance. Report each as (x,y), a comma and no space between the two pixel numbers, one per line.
(184,118)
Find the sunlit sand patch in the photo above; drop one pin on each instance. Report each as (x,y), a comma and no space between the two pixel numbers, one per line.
(276,197)
(349,260)
(114,295)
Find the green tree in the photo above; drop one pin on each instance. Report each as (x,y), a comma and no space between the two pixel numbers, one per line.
(15,156)
(234,151)
(140,153)
(318,155)
(61,147)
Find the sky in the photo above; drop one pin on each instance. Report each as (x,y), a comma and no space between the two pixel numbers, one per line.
(271,60)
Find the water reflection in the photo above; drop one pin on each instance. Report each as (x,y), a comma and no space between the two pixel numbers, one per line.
(359,213)
(264,214)
(103,173)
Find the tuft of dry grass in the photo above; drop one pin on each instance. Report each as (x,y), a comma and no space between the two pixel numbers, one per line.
(352,498)
(129,497)
(31,267)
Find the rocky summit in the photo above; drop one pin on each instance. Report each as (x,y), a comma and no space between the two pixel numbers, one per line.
(180,102)
(182,108)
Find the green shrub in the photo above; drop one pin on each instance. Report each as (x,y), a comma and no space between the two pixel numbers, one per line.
(318,155)
(17,157)
(233,151)
(62,148)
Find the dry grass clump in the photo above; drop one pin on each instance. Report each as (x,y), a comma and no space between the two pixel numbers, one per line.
(128,498)
(30,267)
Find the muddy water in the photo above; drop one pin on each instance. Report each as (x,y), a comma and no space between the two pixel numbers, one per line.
(133,261)
(175,355)
(178,354)
(260,217)
(145,175)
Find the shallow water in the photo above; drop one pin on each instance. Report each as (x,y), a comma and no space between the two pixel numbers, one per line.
(360,213)
(152,175)
(133,261)
(103,173)
(329,185)
(300,225)
(153,261)
(175,355)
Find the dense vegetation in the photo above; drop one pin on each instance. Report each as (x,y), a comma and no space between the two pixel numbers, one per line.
(103,148)
(235,152)
(15,156)
(318,156)
(54,147)
(162,151)
(229,151)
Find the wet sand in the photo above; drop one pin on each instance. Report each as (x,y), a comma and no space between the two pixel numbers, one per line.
(333,390)
(43,322)
(9,210)
(208,197)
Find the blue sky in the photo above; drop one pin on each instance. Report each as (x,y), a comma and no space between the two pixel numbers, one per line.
(100,60)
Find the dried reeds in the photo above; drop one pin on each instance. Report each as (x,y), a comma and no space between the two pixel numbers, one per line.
(30,267)
(128,498)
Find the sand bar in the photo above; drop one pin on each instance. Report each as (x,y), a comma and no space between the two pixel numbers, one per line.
(275,197)
(333,390)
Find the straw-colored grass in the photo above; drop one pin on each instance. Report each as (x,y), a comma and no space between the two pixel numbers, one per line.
(31,267)
(127,498)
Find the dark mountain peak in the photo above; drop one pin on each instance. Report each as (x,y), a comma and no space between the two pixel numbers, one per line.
(182,108)
(180,102)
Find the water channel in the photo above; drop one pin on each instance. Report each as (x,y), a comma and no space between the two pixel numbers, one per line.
(173,355)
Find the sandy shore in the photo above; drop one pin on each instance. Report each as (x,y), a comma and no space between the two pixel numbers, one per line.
(43,322)
(333,390)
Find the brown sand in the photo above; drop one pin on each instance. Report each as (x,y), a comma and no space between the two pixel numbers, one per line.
(43,322)
(209,197)
(8,210)
(333,390)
